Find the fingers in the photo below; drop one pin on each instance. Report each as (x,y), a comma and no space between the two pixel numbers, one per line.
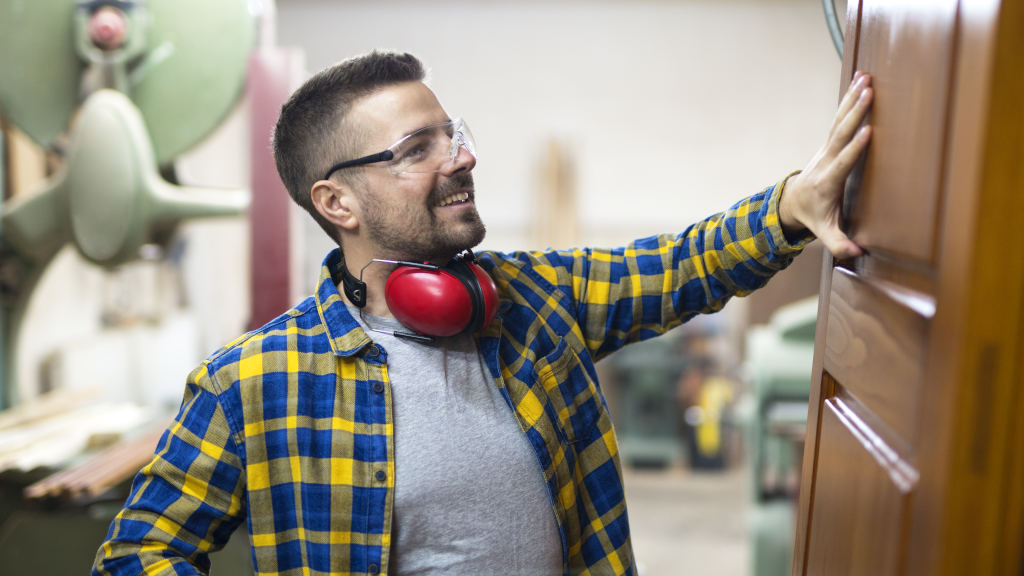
(845,131)
(847,102)
(848,156)
(861,82)
(818,205)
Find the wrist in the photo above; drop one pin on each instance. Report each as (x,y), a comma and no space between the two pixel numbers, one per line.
(788,195)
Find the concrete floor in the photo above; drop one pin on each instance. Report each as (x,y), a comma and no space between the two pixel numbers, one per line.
(689,523)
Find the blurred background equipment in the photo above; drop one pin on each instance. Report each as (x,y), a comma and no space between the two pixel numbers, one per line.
(644,408)
(113,91)
(671,398)
(675,405)
(778,369)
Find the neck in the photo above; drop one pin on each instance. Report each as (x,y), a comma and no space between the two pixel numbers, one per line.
(364,286)
(371,277)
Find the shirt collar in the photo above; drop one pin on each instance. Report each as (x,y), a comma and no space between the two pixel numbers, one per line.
(345,334)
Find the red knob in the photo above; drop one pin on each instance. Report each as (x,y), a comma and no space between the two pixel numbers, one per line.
(108,28)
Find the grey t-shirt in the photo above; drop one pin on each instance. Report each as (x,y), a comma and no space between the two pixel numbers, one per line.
(469,493)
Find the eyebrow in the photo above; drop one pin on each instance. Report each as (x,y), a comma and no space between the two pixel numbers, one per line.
(427,125)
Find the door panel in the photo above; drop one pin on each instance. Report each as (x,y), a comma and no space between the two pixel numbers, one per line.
(912,42)
(857,491)
(876,348)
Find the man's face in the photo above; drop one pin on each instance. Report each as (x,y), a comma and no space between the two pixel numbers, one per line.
(416,217)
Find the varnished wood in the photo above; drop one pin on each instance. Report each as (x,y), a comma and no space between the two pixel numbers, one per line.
(907,46)
(820,388)
(875,347)
(927,345)
(893,269)
(858,496)
(973,495)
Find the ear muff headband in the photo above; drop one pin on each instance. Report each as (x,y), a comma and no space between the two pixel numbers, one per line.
(425,298)
(464,272)
(355,290)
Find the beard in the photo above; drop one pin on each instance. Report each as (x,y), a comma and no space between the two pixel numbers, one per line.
(414,233)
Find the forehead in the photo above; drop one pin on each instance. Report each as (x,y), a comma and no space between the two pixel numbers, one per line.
(394,111)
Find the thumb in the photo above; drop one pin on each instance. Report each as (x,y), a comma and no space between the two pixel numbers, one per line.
(839,244)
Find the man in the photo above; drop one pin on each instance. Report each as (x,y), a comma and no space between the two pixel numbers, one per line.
(352,444)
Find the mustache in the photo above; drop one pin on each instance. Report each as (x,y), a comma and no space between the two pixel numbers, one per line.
(457,182)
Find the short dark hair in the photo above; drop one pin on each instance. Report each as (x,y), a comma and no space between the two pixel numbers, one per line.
(312,132)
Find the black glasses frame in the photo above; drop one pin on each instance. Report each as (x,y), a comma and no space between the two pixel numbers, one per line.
(371,159)
(465,141)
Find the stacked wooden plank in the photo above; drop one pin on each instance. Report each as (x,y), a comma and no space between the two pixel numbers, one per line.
(97,474)
(63,430)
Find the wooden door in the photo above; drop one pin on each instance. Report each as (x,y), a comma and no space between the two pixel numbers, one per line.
(914,455)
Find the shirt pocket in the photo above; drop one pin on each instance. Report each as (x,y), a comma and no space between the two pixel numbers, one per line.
(573,394)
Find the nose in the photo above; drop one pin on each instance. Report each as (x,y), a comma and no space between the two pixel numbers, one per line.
(464,161)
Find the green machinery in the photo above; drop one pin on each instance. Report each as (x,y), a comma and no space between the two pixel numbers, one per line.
(779,357)
(119,115)
(645,412)
(117,89)
(655,418)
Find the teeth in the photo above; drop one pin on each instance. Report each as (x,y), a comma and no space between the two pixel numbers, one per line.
(460,197)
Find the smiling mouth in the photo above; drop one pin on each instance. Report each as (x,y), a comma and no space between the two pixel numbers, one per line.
(457,198)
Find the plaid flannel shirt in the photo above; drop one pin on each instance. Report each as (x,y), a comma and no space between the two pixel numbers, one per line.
(290,427)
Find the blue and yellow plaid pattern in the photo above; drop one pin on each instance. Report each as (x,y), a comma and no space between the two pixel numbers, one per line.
(290,427)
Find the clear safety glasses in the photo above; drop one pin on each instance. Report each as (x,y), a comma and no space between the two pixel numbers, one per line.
(432,148)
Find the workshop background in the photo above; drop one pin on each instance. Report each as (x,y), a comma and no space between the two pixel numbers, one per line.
(597,121)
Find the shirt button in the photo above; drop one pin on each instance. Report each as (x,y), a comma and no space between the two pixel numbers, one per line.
(381,475)
(373,569)
(378,387)
(374,351)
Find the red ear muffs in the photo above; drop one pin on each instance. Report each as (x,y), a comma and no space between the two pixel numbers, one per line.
(459,297)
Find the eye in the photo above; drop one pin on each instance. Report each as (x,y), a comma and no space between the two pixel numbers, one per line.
(414,150)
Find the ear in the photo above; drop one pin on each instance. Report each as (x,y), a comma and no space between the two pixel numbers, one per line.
(335,203)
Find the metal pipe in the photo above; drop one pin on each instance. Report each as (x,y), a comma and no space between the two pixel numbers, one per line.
(5,381)
(832,20)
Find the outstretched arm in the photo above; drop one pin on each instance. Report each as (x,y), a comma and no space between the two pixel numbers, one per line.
(813,198)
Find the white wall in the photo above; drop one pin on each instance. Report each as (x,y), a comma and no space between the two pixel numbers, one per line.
(672,109)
